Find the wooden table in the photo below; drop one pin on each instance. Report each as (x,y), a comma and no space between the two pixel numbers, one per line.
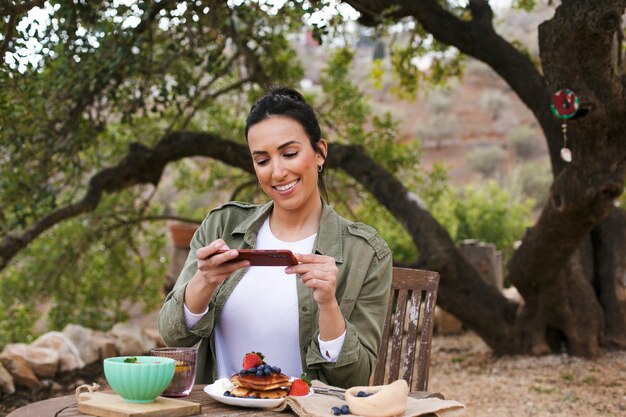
(66,407)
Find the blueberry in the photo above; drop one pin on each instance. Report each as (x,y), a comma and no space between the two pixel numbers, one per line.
(243,372)
(345,409)
(336,411)
(267,372)
(275,369)
(227,394)
(259,373)
(252,370)
(361,394)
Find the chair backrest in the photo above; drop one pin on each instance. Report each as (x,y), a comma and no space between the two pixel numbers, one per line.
(412,299)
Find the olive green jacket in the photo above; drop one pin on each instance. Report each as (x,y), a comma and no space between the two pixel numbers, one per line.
(365,265)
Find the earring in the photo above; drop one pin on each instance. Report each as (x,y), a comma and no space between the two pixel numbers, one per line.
(320,168)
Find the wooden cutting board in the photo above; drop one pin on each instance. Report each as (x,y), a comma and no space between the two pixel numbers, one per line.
(111,405)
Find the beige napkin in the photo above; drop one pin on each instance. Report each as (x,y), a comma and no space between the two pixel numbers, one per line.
(319,405)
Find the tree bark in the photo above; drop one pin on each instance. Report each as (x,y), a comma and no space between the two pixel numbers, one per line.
(609,243)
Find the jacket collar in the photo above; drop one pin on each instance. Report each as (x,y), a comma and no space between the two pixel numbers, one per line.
(329,237)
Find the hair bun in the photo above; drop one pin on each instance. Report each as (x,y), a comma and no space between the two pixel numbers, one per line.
(286,92)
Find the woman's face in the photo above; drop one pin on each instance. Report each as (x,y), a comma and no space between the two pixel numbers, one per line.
(285,162)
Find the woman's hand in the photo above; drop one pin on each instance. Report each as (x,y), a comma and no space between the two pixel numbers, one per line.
(319,273)
(215,268)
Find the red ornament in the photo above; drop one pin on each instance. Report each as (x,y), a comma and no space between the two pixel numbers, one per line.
(564,104)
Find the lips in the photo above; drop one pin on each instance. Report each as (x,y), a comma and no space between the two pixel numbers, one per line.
(286,187)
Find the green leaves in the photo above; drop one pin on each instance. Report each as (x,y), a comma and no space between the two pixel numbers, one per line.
(487,213)
(112,75)
(527,5)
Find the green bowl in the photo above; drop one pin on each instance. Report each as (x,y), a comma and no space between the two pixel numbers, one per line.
(141,381)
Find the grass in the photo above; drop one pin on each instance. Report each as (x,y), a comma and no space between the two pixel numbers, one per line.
(542,390)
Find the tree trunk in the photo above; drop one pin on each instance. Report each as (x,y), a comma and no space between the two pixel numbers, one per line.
(609,242)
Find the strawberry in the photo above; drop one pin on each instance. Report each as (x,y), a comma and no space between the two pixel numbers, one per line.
(252,360)
(300,387)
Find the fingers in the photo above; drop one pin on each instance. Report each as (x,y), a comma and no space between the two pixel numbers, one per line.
(208,250)
(323,287)
(317,280)
(318,273)
(307,258)
(314,266)
(216,266)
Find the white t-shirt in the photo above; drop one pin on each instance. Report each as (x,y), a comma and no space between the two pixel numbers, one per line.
(259,315)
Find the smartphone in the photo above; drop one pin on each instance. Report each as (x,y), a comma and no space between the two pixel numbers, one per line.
(265,257)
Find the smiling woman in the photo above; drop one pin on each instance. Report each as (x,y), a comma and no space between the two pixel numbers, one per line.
(287,169)
(322,316)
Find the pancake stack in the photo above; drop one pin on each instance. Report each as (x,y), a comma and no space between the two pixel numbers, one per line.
(270,385)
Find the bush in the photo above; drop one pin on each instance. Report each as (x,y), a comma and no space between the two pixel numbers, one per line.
(524,142)
(486,159)
(532,180)
(439,126)
(438,101)
(493,101)
(490,214)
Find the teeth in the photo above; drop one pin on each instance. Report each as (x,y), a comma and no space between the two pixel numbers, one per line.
(286,186)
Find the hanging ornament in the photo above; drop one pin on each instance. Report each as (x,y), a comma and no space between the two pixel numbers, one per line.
(564,106)
(566,154)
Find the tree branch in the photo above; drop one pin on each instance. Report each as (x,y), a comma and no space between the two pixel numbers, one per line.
(7,36)
(461,285)
(92,89)
(478,39)
(10,8)
(255,69)
(164,217)
(204,99)
(141,166)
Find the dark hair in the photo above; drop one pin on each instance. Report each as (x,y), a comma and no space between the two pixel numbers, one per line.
(285,101)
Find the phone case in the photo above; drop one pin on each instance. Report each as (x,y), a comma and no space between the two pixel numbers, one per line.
(267,257)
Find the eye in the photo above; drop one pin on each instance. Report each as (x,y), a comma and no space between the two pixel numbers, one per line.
(261,162)
(290,154)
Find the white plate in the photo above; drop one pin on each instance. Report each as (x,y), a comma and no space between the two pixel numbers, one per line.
(216,391)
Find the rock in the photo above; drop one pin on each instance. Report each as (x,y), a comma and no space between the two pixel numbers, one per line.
(83,340)
(21,371)
(105,344)
(446,323)
(131,339)
(70,359)
(6,381)
(154,334)
(43,361)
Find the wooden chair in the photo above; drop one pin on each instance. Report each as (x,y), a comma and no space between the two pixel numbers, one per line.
(415,290)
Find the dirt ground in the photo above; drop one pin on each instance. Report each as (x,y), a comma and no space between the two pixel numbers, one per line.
(463,369)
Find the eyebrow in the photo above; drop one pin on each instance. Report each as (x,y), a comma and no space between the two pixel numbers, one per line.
(284,145)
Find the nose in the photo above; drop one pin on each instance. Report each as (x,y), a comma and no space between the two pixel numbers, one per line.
(279,171)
